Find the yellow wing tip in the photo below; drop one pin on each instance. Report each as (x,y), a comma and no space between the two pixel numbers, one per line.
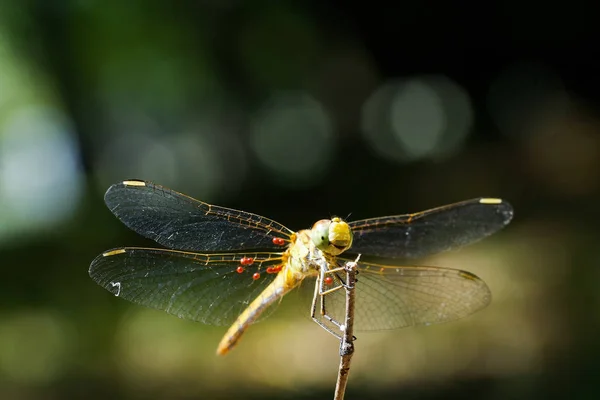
(113,252)
(490,200)
(134,183)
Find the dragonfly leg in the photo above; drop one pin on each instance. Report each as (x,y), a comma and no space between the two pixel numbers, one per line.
(328,291)
(314,309)
(340,326)
(323,293)
(334,271)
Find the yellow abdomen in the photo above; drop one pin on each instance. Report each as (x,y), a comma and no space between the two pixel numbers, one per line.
(285,281)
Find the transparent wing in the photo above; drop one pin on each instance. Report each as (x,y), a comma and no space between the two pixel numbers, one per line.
(198,287)
(390,297)
(180,222)
(432,231)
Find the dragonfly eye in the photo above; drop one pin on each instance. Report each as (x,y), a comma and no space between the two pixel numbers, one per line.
(320,234)
(340,235)
(332,236)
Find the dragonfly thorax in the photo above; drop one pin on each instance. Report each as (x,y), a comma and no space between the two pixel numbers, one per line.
(331,236)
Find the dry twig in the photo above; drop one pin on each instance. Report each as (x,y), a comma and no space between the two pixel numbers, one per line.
(347,341)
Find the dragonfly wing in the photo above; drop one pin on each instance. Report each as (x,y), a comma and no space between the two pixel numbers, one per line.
(198,287)
(178,221)
(389,297)
(432,231)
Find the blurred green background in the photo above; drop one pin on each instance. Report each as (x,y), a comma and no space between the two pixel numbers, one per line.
(299,111)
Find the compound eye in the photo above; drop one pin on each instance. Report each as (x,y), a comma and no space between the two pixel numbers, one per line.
(340,236)
(320,234)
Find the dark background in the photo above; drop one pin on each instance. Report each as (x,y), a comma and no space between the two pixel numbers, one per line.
(299,111)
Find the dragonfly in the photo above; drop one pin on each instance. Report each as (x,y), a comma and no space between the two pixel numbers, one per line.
(226,267)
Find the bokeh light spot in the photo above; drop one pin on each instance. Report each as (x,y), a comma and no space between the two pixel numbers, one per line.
(292,136)
(417,118)
(40,177)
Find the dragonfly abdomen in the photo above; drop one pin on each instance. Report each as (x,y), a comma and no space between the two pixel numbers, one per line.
(275,291)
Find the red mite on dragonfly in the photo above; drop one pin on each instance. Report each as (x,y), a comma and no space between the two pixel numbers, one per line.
(201,274)
(278,241)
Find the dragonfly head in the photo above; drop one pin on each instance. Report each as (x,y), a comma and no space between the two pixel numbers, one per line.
(332,236)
